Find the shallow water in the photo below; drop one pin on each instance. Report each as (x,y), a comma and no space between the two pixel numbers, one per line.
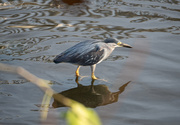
(33,32)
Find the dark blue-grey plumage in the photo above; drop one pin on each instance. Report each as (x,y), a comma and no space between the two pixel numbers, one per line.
(80,55)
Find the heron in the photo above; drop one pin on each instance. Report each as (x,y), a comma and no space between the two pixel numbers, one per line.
(89,53)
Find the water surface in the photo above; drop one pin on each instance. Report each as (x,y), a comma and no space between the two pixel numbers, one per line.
(33,32)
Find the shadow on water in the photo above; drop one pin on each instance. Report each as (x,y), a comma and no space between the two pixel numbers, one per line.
(92,95)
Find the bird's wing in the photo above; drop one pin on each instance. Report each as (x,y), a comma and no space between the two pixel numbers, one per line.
(89,55)
(75,50)
(84,53)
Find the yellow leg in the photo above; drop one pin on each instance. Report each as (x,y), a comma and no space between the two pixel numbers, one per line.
(77,71)
(93,67)
(93,76)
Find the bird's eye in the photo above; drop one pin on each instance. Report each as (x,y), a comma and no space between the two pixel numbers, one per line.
(119,43)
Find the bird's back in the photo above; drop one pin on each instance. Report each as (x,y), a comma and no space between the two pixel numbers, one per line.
(84,53)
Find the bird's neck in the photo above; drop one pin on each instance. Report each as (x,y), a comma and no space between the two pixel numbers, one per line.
(111,46)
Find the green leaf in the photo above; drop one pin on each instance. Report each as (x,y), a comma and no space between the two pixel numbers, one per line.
(79,115)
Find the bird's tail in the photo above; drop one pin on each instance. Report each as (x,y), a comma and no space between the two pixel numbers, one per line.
(58,59)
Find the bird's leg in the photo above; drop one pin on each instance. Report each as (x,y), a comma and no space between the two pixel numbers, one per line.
(93,67)
(77,71)
(78,75)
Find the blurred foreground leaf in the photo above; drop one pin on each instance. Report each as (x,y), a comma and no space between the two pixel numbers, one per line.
(79,115)
(46,100)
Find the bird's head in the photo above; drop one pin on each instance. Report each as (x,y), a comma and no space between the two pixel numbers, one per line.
(116,43)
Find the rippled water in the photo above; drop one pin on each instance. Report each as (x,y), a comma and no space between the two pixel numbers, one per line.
(33,32)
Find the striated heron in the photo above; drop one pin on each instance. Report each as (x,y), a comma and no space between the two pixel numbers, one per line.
(89,53)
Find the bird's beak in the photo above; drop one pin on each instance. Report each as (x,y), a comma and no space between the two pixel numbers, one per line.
(124,45)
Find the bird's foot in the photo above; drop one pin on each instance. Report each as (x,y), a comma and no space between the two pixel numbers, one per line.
(96,78)
(104,80)
(80,77)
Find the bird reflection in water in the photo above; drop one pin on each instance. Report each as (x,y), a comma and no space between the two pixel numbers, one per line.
(92,95)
